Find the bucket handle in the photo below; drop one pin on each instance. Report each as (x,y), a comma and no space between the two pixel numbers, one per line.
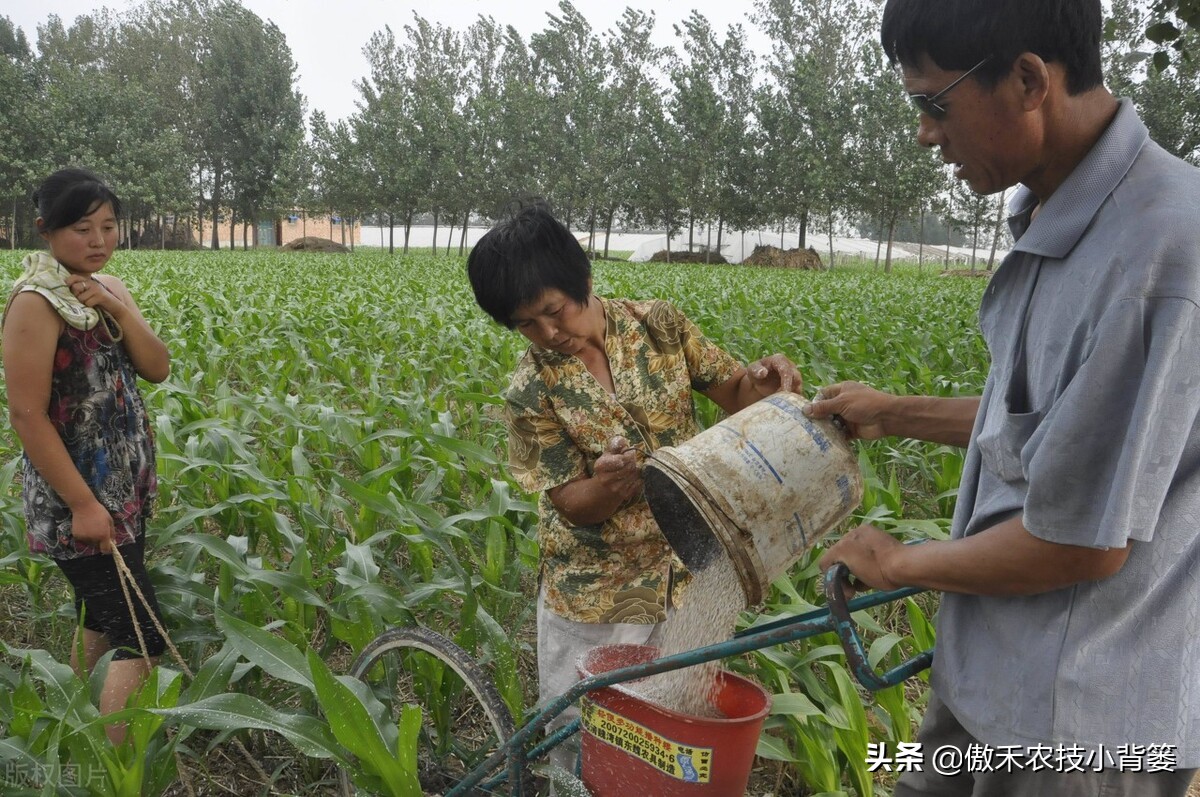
(836,579)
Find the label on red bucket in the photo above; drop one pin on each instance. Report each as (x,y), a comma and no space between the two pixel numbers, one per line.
(680,761)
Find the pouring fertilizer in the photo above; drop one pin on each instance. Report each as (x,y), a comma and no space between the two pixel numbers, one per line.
(739,503)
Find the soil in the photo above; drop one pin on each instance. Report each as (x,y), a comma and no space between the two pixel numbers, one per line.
(312,243)
(773,256)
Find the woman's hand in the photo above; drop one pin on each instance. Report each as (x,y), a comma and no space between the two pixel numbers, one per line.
(93,293)
(774,374)
(615,480)
(149,354)
(756,381)
(617,471)
(92,524)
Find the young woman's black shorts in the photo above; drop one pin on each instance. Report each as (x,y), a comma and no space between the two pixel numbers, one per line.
(101,603)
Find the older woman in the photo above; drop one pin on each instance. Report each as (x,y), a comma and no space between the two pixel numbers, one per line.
(602,382)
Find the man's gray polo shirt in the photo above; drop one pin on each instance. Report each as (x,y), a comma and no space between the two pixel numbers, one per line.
(1088,426)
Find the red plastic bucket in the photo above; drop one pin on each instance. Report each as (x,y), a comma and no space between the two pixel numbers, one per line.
(632,747)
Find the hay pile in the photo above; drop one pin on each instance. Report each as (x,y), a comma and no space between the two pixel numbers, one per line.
(773,256)
(312,243)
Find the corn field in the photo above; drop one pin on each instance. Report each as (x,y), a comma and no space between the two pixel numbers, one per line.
(331,465)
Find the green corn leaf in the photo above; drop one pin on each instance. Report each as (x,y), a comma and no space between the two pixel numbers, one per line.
(356,729)
(794,704)
(214,676)
(236,712)
(275,656)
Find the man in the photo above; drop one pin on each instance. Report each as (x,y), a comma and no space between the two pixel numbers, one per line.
(1069,632)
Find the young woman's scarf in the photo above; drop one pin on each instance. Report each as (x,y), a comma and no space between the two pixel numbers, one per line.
(45,275)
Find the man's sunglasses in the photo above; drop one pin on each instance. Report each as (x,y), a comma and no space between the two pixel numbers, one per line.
(928,104)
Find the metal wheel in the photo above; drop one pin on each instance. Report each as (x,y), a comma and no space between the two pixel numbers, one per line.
(465,719)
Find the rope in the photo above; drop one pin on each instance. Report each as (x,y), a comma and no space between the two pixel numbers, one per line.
(127,580)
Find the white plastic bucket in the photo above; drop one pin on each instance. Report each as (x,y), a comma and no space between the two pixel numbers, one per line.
(762,487)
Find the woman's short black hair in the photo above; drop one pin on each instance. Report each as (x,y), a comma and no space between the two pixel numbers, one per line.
(523,256)
(957,34)
(68,195)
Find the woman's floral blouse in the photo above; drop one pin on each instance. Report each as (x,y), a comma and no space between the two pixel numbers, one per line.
(559,421)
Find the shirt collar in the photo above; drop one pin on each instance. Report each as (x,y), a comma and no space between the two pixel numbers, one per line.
(1069,211)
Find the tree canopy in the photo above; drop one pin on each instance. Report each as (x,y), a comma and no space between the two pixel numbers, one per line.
(190,108)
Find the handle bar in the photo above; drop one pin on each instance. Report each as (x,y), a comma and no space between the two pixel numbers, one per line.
(836,579)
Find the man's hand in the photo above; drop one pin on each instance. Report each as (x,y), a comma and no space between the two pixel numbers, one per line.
(862,408)
(868,552)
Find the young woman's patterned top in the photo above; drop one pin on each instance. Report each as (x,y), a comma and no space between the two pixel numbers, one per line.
(98,412)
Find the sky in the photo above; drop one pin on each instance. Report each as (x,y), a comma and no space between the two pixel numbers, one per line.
(327,45)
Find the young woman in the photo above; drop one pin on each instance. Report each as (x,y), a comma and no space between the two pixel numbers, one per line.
(74,343)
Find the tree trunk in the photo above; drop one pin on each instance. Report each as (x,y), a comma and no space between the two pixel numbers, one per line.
(608,230)
(668,239)
(435,226)
(462,239)
(691,232)
(878,241)
(407,229)
(921,244)
(804,227)
(720,230)
(352,232)
(974,242)
(232,230)
(829,227)
(216,208)
(592,230)
(331,224)
(392,235)
(304,224)
(708,244)
(996,231)
(887,266)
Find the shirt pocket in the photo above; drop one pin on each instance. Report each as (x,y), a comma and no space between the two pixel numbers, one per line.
(1002,441)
